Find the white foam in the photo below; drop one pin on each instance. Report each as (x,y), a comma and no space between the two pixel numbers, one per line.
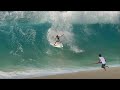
(61,25)
(38,73)
(92,17)
(76,49)
(81,17)
(34,72)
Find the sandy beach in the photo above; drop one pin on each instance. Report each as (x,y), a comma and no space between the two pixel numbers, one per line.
(111,73)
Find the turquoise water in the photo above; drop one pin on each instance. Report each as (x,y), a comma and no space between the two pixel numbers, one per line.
(25,39)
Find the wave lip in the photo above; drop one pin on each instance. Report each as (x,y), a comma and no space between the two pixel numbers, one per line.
(93,17)
(80,17)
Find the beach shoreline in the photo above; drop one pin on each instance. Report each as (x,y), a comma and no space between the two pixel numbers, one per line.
(111,73)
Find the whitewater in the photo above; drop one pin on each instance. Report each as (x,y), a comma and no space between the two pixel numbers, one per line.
(25,38)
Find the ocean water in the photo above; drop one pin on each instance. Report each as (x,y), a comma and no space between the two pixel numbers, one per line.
(25,38)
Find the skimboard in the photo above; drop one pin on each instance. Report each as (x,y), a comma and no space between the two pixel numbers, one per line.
(58,45)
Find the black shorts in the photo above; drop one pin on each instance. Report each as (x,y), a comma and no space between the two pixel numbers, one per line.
(103,65)
(58,41)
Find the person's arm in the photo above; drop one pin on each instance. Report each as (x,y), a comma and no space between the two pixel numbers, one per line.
(98,62)
(61,35)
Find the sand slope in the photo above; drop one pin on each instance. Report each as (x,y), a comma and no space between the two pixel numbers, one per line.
(111,73)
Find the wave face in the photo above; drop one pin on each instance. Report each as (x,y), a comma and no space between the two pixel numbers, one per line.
(25,38)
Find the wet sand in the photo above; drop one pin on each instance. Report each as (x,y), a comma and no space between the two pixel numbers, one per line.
(111,73)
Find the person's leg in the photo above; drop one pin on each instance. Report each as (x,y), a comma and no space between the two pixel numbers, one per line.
(54,43)
(103,66)
(106,66)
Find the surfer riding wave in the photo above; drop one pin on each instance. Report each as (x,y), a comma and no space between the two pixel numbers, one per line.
(57,39)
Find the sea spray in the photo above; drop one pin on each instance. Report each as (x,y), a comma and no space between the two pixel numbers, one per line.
(25,38)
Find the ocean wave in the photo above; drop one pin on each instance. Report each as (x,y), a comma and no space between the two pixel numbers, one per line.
(80,17)
(25,38)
